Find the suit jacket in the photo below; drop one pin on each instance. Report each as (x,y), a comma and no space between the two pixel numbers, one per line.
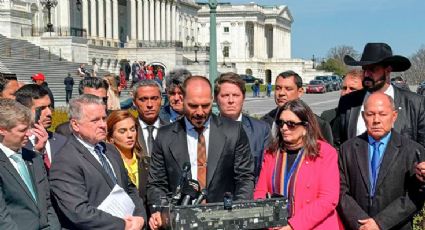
(79,184)
(316,189)
(258,133)
(69,83)
(18,210)
(64,129)
(230,166)
(56,141)
(410,121)
(165,113)
(141,137)
(397,195)
(324,126)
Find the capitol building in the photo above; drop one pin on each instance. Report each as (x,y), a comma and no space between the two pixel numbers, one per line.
(251,38)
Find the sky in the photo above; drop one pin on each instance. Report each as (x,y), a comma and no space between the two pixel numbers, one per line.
(322,24)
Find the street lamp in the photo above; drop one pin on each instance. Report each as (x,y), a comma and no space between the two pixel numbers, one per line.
(78,5)
(314,61)
(49,4)
(213,40)
(196,52)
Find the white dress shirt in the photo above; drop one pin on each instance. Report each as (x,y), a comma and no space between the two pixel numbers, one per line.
(144,127)
(361,126)
(9,153)
(192,145)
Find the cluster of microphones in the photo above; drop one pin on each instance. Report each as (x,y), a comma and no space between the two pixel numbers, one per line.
(188,191)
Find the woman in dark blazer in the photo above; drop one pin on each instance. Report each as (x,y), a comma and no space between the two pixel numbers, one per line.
(122,132)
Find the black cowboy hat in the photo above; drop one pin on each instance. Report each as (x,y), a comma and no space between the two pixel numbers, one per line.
(379,53)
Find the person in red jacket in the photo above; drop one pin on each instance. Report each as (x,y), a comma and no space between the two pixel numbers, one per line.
(302,167)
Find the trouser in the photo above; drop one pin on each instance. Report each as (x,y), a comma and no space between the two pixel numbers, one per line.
(68,95)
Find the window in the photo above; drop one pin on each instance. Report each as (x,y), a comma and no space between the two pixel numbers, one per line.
(226,51)
(226,29)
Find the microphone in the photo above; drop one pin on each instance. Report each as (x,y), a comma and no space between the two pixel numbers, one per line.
(202,196)
(183,178)
(191,191)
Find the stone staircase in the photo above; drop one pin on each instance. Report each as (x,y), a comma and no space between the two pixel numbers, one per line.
(25,59)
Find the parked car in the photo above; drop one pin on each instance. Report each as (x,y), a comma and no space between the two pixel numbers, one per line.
(316,86)
(400,83)
(249,79)
(337,82)
(421,88)
(328,82)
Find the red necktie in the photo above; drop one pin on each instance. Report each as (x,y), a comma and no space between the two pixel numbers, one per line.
(46,160)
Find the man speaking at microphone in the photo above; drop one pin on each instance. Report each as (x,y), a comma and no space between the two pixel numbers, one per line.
(217,149)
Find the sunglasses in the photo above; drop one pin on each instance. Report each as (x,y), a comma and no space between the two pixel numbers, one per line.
(290,124)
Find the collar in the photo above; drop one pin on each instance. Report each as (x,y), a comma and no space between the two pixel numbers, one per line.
(9,152)
(240,117)
(383,140)
(174,115)
(89,146)
(190,127)
(143,125)
(389,91)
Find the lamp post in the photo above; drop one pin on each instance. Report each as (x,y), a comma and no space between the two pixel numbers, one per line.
(196,52)
(213,40)
(314,61)
(49,4)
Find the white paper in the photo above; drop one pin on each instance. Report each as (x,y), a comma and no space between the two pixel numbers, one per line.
(118,203)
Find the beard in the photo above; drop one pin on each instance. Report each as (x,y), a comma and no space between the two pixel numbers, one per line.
(371,85)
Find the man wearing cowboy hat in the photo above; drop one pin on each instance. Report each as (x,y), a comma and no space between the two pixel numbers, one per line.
(378,62)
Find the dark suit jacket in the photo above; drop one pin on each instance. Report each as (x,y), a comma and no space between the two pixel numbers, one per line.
(64,129)
(165,113)
(141,137)
(258,133)
(397,195)
(410,121)
(324,126)
(18,210)
(230,166)
(56,141)
(79,185)
(69,83)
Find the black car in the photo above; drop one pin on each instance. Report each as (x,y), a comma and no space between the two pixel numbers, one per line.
(328,82)
(337,82)
(421,88)
(250,79)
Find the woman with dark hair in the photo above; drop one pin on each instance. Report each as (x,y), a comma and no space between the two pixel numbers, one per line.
(122,132)
(299,165)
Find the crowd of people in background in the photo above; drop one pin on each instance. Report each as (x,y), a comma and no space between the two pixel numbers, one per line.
(358,166)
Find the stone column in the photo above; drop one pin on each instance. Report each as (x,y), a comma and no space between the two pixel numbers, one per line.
(163,20)
(168,19)
(288,44)
(101,22)
(133,23)
(152,20)
(93,16)
(173,22)
(178,25)
(108,20)
(115,20)
(145,20)
(157,20)
(86,16)
(276,39)
(139,20)
(257,41)
(65,19)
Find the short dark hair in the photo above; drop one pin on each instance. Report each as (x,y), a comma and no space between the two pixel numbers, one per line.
(30,92)
(232,78)
(297,78)
(92,82)
(175,78)
(194,77)
(5,78)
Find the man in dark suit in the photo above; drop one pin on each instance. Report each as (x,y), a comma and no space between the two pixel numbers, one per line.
(379,189)
(173,110)
(378,62)
(86,170)
(88,85)
(24,188)
(198,138)
(69,85)
(42,141)
(288,87)
(229,93)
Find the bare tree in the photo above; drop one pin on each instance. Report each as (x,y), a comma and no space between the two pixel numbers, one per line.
(416,73)
(339,52)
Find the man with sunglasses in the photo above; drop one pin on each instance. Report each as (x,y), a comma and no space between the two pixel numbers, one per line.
(42,141)
(88,85)
(378,62)
(288,87)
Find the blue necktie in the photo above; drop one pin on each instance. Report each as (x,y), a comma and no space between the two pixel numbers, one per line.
(375,165)
(100,151)
(24,173)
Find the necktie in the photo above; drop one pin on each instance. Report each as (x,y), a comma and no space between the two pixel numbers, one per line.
(24,173)
(202,157)
(150,138)
(100,151)
(46,160)
(375,164)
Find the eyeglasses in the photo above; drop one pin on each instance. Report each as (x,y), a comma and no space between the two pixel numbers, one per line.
(290,124)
